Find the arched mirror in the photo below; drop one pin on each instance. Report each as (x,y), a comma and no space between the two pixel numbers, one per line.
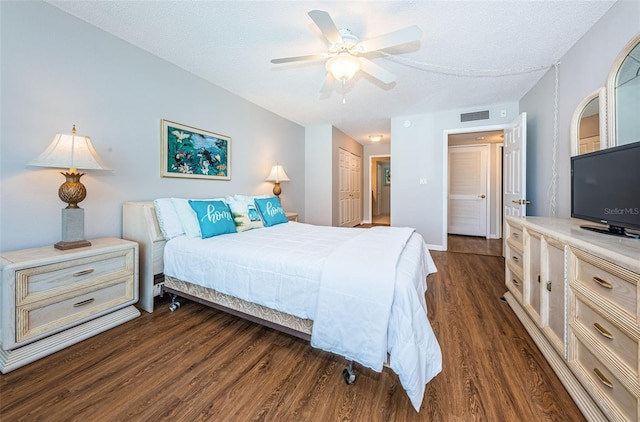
(624,96)
(588,130)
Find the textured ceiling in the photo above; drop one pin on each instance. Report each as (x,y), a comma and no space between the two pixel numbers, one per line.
(231,43)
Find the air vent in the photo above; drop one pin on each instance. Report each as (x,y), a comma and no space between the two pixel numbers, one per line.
(476,115)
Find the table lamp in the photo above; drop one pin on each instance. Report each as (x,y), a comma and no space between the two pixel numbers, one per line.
(277,175)
(74,152)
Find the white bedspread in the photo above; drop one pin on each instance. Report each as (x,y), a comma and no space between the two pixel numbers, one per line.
(367,308)
(281,267)
(355,296)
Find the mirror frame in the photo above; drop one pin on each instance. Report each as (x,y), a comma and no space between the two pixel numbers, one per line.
(601,94)
(611,98)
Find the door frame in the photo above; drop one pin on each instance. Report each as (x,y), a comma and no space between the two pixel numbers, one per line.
(445,172)
(370,216)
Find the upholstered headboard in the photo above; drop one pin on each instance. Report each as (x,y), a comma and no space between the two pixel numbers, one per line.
(140,224)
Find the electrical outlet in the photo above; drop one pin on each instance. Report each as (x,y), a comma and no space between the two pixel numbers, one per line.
(423,181)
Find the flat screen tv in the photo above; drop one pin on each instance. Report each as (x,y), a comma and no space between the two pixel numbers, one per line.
(605,188)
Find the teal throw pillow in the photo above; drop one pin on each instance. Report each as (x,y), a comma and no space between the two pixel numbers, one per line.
(214,218)
(271,211)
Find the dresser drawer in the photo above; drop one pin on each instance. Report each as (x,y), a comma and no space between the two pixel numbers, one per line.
(64,311)
(516,235)
(514,281)
(610,394)
(514,257)
(616,346)
(36,283)
(607,281)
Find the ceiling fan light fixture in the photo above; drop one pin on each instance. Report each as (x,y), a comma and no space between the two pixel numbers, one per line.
(343,66)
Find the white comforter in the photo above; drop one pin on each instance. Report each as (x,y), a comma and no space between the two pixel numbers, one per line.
(281,267)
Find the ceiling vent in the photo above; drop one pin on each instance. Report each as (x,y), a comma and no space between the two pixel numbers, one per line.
(476,115)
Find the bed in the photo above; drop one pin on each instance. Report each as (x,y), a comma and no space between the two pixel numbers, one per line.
(313,282)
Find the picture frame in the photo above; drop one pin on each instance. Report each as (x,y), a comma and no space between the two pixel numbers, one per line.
(189,152)
(387,176)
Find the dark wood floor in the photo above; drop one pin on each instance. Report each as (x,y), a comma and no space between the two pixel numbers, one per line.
(474,245)
(201,364)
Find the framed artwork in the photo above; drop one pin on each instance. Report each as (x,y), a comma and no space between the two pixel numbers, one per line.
(387,176)
(194,153)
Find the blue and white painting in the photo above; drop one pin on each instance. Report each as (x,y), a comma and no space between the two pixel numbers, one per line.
(194,153)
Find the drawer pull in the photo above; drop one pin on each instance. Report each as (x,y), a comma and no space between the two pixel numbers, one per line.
(516,282)
(603,331)
(602,378)
(85,272)
(603,283)
(515,258)
(84,302)
(516,235)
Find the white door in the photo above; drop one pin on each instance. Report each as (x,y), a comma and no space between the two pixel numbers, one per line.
(350,193)
(467,208)
(515,167)
(514,186)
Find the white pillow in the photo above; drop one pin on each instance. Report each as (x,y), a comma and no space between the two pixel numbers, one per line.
(245,214)
(188,216)
(168,220)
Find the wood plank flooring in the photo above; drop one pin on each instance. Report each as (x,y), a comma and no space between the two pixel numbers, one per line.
(474,245)
(198,364)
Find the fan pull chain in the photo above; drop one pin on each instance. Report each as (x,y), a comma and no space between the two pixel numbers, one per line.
(344,98)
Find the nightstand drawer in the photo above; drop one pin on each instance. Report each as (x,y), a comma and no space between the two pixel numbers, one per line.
(606,281)
(62,312)
(36,283)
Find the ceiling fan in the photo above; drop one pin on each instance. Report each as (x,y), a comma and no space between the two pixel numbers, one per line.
(345,51)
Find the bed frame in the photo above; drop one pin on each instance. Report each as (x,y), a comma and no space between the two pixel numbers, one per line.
(140,224)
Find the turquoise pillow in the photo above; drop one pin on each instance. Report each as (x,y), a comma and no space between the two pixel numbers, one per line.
(214,218)
(271,211)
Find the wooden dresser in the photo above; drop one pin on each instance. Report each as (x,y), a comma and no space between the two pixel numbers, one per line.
(576,292)
(52,298)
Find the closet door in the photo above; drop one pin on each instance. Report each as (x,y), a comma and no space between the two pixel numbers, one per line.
(349,182)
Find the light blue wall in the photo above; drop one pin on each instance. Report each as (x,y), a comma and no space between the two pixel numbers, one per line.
(418,151)
(58,71)
(582,71)
(318,167)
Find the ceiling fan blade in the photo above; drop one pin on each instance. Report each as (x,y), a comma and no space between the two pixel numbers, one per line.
(377,72)
(300,58)
(327,84)
(401,36)
(326,25)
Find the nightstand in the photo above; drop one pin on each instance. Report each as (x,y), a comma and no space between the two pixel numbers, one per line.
(52,299)
(292,216)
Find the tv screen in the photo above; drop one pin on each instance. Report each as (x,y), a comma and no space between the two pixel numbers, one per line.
(605,188)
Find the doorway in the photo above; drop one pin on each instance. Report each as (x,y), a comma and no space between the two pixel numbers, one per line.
(474,192)
(380,191)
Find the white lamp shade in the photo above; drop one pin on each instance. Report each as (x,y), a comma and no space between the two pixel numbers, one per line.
(277,174)
(70,151)
(343,66)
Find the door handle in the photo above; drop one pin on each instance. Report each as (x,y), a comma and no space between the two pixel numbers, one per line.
(482,196)
(521,202)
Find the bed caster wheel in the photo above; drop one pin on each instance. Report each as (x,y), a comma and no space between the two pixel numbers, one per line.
(349,376)
(174,306)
